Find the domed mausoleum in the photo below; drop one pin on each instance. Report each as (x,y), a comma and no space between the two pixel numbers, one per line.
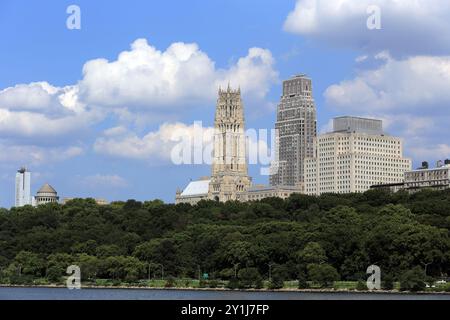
(46,194)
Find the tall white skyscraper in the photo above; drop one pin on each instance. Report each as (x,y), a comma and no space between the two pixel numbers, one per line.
(23,188)
(354,157)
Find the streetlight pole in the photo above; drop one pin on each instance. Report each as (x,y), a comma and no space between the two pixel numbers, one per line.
(235,269)
(149,271)
(270,271)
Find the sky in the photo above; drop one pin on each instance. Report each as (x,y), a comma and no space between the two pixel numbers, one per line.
(93,110)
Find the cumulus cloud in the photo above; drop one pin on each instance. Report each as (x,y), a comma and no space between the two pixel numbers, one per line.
(104,181)
(419,27)
(431,152)
(177,143)
(147,78)
(41,97)
(398,85)
(33,125)
(142,83)
(35,155)
(155,146)
(410,95)
(39,110)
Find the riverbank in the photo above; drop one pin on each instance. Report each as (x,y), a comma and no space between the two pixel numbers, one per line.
(175,294)
(324,290)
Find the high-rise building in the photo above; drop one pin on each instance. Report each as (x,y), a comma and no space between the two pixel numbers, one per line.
(23,188)
(229,176)
(354,157)
(297,127)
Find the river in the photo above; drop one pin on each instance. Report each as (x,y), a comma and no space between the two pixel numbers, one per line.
(14,293)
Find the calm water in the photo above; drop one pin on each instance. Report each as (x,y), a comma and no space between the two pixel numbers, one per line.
(142,294)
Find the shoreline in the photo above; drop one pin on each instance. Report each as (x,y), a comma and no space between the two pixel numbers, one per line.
(393,292)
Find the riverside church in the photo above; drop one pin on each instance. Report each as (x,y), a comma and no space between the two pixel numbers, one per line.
(229,172)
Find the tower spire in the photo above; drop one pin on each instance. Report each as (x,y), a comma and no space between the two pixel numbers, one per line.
(229,174)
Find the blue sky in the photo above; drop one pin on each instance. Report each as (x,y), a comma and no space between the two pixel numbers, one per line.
(92,127)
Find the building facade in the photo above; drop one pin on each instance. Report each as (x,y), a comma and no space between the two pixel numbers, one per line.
(435,178)
(46,194)
(422,178)
(229,176)
(99,201)
(296,127)
(260,192)
(23,188)
(354,157)
(194,192)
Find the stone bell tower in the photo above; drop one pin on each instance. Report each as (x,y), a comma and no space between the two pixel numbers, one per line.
(229,177)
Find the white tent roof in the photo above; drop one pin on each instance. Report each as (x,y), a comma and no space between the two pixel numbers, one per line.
(195,188)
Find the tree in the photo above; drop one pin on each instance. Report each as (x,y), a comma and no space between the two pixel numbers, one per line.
(279,274)
(341,234)
(89,266)
(29,263)
(233,284)
(276,282)
(57,264)
(413,280)
(104,251)
(361,286)
(387,282)
(250,277)
(312,253)
(305,234)
(322,274)
(302,283)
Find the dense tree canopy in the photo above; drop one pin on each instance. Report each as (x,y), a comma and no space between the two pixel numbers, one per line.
(321,238)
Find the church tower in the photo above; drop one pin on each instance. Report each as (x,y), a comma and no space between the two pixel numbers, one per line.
(229,177)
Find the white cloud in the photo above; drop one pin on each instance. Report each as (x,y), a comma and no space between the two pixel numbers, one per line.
(34,96)
(407,27)
(36,126)
(176,143)
(34,155)
(155,146)
(142,85)
(410,95)
(39,110)
(360,59)
(431,152)
(147,78)
(41,97)
(104,181)
(420,82)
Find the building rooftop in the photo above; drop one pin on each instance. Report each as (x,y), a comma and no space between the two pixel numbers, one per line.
(358,124)
(195,188)
(46,188)
(444,167)
(257,188)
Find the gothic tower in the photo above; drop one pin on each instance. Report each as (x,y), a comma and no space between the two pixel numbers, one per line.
(229,176)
